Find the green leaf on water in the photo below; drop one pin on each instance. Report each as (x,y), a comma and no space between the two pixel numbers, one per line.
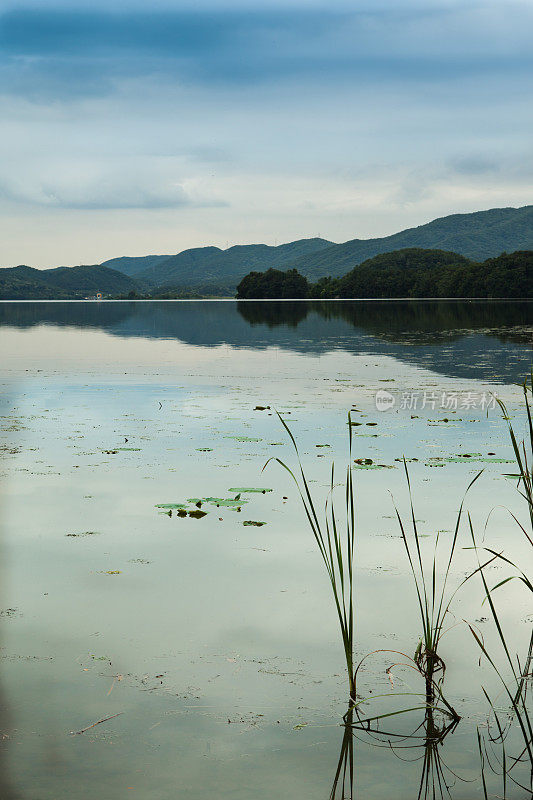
(253,522)
(220,501)
(171,506)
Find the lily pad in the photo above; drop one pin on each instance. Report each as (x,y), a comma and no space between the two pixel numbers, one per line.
(220,501)
(171,506)
(477,457)
(197,514)
(253,522)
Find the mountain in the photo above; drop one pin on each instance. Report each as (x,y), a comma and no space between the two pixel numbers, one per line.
(26,283)
(480,235)
(133,265)
(205,266)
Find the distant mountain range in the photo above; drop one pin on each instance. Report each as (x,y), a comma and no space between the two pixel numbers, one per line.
(205,266)
(62,283)
(480,235)
(210,270)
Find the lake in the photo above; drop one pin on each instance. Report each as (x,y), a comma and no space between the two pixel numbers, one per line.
(211,647)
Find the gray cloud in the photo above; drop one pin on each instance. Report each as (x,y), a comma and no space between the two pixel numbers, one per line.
(92,186)
(62,52)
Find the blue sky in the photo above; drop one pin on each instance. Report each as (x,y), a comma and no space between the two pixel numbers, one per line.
(127,131)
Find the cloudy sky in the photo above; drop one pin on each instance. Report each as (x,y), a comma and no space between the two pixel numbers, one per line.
(125,131)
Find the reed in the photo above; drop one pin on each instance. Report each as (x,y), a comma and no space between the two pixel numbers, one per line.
(523,451)
(514,684)
(434,599)
(336,547)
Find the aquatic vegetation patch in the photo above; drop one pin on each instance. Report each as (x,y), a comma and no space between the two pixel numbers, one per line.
(367,463)
(84,533)
(171,506)
(467,457)
(244,438)
(373,466)
(220,501)
(257,490)
(248,522)
(10,612)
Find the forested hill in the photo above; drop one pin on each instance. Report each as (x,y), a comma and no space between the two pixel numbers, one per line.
(212,266)
(133,265)
(480,235)
(412,272)
(62,283)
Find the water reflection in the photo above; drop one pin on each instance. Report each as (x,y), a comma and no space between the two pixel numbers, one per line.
(479,340)
(400,320)
(7,792)
(424,744)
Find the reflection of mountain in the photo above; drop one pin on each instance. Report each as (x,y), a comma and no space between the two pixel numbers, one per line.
(478,340)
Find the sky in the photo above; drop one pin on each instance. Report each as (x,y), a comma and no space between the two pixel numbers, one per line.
(127,131)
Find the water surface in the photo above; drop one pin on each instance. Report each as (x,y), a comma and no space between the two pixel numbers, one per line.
(216,642)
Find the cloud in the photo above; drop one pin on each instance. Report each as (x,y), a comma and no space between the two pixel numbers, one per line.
(255,120)
(89,185)
(64,52)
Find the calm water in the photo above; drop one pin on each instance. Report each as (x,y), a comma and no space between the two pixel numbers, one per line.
(215,642)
